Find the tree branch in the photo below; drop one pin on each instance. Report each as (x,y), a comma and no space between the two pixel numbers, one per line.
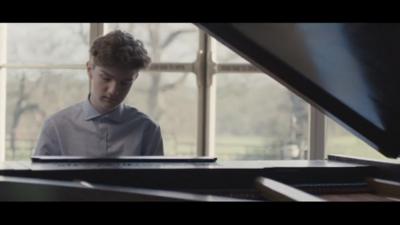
(180,81)
(29,107)
(84,37)
(172,37)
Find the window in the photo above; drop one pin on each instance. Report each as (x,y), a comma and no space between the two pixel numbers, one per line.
(339,141)
(32,96)
(45,74)
(170,99)
(47,43)
(226,55)
(257,118)
(166,42)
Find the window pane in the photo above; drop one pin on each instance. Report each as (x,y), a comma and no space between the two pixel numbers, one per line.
(340,141)
(165,42)
(257,119)
(170,99)
(51,43)
(226,55)
(32,96)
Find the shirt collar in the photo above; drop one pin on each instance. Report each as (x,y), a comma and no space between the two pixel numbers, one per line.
(91,113)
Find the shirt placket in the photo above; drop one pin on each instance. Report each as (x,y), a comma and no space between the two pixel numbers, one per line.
(104,134)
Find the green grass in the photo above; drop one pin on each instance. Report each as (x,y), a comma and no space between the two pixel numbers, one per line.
(352,146)
(23,151)
(19,155)
(227,148)
(243,148)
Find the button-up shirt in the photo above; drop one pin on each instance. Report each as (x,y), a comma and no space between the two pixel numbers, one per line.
(80,130)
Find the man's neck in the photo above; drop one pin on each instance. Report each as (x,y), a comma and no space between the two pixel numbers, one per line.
(100,110)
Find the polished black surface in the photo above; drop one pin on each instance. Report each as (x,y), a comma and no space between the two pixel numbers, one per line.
(349,71)
(30,189)
(122,159)
(224,178)
(183,181)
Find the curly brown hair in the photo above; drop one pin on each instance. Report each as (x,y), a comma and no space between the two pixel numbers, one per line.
(120,50)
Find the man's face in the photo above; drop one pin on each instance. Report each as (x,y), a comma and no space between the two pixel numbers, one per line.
(109,86)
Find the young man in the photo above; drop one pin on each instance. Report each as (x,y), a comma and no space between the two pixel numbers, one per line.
(102,126)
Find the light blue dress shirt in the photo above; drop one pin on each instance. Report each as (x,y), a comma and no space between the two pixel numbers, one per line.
(80,130)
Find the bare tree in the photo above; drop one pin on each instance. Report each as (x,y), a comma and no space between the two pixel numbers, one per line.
(84,36)
(157,86)
(23,95)
(23,105)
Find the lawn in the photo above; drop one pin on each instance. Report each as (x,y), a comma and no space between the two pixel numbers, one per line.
(243,148)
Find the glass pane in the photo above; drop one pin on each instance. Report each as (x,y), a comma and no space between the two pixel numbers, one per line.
(47,43)
(171,100)
(342,142)
(165,42)
(33,95)
(226,55)
(257,118)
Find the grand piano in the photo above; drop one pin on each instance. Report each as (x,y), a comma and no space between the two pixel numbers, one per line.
(348,71)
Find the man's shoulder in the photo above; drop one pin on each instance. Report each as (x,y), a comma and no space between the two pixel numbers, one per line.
(135,114)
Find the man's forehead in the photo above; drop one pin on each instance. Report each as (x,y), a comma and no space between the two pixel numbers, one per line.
(118,72)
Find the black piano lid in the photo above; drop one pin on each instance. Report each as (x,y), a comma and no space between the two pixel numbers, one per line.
(350,71)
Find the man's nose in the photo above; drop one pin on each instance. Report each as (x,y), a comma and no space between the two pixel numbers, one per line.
(113,88)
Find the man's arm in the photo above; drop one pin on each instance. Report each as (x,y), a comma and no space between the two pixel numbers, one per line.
(47,143)
(153,142)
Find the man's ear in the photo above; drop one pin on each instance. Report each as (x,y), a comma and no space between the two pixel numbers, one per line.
(89,69)
(135,76)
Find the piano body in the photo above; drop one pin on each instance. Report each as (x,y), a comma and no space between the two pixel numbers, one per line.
(348,71)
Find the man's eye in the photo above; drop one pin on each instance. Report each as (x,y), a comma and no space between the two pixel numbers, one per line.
(106,79)
(126,83)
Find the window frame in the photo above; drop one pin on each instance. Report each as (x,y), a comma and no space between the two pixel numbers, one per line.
(205,67)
